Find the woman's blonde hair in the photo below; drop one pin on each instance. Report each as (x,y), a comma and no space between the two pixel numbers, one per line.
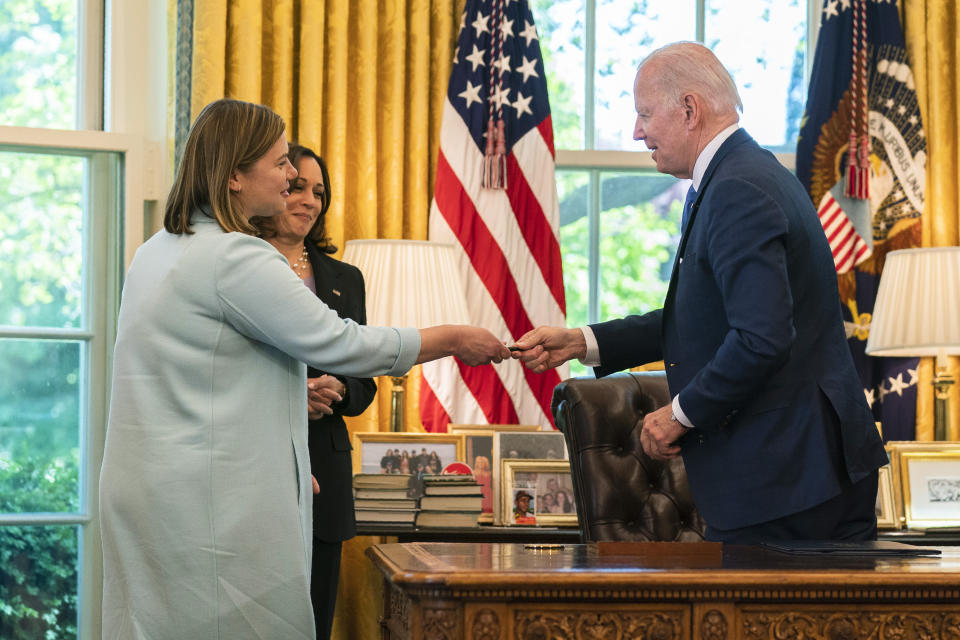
(226,136)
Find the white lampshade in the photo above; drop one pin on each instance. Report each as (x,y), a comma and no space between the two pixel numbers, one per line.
(917,311)
(409,283)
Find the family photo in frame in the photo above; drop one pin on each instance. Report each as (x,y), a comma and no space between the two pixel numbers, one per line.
(478,453)
(540,445)
(405,453)
(537,492)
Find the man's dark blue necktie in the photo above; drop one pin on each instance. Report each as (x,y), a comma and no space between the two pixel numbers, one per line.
(687,205)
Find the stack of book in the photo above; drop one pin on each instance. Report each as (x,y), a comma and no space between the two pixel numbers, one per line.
(383,499)
(450,501)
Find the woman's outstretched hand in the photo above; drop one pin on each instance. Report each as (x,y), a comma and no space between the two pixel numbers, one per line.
(473,345)
(479,346)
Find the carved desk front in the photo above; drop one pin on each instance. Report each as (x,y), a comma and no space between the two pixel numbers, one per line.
(482,591)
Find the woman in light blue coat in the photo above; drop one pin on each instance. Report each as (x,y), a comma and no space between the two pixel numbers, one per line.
(205,503)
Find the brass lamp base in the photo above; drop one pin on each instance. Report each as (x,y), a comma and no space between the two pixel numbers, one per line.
(396,403)
(941,404)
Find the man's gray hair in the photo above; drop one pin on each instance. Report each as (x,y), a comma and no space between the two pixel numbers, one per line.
(691,67)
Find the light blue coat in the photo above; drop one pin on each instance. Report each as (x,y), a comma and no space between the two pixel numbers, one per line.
(205,491)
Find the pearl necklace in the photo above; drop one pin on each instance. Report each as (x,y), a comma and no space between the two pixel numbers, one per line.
(302,263)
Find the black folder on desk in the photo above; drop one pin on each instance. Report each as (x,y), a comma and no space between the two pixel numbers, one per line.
(830,548)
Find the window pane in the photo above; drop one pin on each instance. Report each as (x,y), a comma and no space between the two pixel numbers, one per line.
(41,240)
(767,67)
(38,63)
(38,581)
(627,30)
(572,191)
(639,232)
(39,425)
(561,30)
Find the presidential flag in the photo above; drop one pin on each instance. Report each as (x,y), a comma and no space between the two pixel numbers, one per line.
(495,200)
(862,156)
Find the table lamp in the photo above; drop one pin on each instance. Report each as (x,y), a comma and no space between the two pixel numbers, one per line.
(409,283)
(917,313)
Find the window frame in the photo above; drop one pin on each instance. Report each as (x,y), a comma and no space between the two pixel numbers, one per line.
(121,107)
(595,161)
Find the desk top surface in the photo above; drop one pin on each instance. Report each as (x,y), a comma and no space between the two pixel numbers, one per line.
(478,565)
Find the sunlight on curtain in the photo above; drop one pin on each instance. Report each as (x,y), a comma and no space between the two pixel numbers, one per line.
(362,83)
(932,29)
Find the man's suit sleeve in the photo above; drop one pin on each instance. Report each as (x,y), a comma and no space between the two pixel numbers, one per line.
(628,342)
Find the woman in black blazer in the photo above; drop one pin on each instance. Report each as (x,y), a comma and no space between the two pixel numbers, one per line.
(300,235)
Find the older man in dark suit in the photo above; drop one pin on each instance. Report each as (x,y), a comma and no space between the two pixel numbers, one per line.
(767,410)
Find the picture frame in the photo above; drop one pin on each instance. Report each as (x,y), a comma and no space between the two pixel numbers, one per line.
(527,484)
(539,445)
(930,483)
(478,453)
(468,428)
(888,516)
(371,447)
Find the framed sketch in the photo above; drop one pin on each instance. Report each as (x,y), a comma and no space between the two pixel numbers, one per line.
(537,492)
(930,480)
(413,453)
(888,516)
(478,453)
(540,445)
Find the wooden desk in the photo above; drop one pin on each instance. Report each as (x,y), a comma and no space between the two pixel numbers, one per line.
(479,591)
(569,535)
(483,533)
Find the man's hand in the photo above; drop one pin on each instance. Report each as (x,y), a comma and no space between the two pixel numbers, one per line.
(322,392)
(316,485)
(660,434)
(548,347)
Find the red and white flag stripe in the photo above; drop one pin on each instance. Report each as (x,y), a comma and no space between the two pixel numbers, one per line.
(848,248)
(508,242)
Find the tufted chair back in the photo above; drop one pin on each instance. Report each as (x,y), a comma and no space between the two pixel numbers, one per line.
(621,493)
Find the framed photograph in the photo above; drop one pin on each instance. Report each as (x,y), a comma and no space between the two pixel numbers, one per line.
(537,492)
(930,481)
(888,516)
(540,445)
(413,453)
(478,453)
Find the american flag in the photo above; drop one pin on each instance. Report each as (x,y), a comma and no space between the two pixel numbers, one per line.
(862,111)
(505,232)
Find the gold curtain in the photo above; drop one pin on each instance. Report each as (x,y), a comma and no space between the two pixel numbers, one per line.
(360,82)
(932,33)
(363,84)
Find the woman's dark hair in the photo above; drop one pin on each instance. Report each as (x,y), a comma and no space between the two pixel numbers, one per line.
(318,232)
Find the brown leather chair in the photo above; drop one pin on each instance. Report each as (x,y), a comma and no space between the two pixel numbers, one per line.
(621,493)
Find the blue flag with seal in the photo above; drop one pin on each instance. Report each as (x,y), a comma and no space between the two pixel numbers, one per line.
(862,157)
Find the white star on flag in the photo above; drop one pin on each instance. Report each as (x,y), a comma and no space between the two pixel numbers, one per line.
(471,94)
(476,58)
(527,68)
(506,28)
(480,24)
(501,97)
(522,105)
(529,33)
(502,63)
(830,10)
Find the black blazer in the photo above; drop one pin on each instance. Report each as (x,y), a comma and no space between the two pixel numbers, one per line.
(753,342)
(340,286)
